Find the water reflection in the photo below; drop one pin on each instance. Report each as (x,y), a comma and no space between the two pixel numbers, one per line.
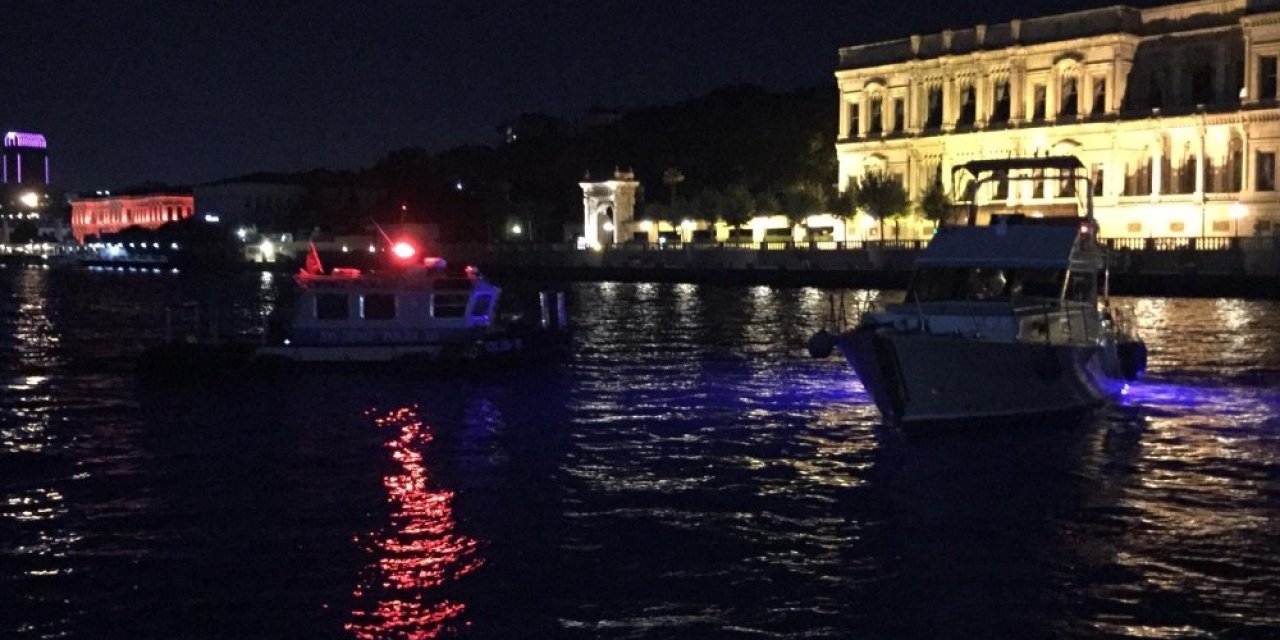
(405,592)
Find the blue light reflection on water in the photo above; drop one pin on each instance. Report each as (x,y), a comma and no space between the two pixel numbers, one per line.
(686,473)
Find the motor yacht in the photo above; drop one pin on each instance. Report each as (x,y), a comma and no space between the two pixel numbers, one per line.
(1010,318)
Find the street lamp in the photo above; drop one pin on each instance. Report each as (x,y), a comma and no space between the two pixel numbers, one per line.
(516,229)
(31,199)
(1238,211)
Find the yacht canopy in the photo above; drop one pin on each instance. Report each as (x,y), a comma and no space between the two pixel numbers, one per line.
(1028,246)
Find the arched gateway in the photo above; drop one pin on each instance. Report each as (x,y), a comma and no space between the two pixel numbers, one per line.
(608,209)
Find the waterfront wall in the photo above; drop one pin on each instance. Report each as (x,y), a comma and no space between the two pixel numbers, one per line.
(1244,267)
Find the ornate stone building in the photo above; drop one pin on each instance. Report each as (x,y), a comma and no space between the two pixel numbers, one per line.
(103,214)
(1172,109)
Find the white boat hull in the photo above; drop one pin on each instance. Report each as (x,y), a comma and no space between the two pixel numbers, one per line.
(917,377)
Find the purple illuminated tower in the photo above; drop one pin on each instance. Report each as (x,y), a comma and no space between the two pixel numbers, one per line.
(26,159)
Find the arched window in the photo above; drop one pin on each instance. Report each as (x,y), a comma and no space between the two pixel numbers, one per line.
(1000,109)
(1069,104)
(875,114)
(968,106)
(1234,182)
(933,118)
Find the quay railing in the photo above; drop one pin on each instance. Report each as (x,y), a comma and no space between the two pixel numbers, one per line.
(1158,244)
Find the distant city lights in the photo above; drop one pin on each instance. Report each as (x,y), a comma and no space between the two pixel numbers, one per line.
(30,199)
(212,218)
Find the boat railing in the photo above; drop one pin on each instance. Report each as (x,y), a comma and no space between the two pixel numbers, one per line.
(1068,171)
(1041,318)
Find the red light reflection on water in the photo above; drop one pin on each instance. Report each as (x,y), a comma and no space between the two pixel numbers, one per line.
(418,554)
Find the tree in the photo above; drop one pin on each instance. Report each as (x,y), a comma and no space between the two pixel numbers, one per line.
(800,202)
(766,204)
(657,212)
(840,203)
(24,232)
(681,209)
(708,204)
(736,206)
(672,177)
(934,203)
(881,195)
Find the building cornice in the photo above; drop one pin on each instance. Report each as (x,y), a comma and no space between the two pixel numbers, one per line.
(1260,19)
(1241,117)
(1006,55)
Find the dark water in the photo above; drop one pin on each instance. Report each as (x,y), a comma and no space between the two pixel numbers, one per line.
(686,473)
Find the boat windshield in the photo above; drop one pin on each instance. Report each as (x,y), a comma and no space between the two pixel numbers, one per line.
(962,284)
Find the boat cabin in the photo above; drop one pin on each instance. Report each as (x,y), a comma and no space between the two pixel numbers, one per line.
(404,307)
(1022,262)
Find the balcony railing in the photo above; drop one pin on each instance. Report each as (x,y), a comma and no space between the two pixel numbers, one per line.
(1207,243)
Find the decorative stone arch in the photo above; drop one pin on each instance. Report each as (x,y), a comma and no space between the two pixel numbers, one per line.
(1065,147)
(875,86)
(608,209)
(1068,79)
(875,162)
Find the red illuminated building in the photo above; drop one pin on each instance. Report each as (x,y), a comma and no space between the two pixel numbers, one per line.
(102,214)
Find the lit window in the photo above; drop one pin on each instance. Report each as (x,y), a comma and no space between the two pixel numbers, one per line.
(1265,178)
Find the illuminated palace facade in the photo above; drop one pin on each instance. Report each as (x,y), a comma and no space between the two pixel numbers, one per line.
(1173,110)
(104,214)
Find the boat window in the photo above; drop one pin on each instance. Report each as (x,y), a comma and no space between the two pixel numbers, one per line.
(1036,283)
(449,305)
(964,284)
(331,306)
(481,307)
(379,306)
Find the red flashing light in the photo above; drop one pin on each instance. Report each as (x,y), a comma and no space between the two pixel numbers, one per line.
(403,250)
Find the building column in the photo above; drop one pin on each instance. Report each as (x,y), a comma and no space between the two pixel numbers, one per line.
(1200,168)
(1157,165)
(845,116)
(908,107)
(1246,162)
(1084,92)
(948,103)
(1017,101)
(864,114)
(981,100)
(1052,88)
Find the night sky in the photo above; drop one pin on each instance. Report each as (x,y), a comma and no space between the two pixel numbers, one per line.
(129,91)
